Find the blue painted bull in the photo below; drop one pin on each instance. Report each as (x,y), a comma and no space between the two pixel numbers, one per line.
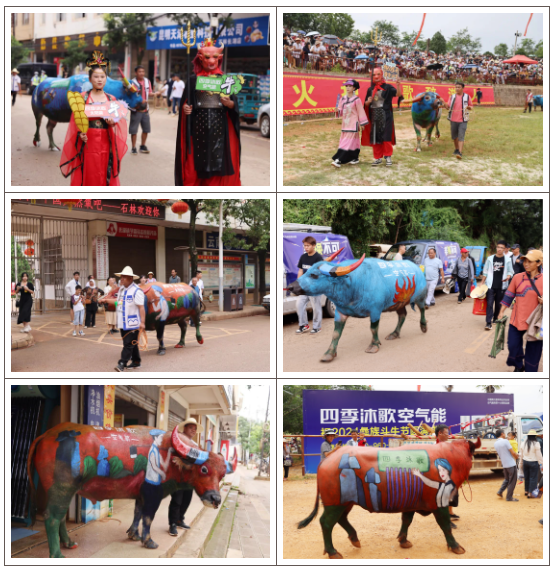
(366,288)
(408,479)
(50,98)
(538,100)
(426,112)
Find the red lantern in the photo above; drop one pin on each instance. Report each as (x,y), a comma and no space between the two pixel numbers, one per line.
(29,252)
(179,208)
(29,243)
(70,203)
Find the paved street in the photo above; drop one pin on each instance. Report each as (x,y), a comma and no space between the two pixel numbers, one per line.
(33,166)
(456,341)
(232,345)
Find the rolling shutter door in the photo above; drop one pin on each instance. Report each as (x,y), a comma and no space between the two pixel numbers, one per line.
(140,255)
(129,394)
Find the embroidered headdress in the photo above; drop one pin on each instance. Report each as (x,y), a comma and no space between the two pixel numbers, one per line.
(97,59)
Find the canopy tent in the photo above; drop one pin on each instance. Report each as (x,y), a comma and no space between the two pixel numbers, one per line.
(520,59)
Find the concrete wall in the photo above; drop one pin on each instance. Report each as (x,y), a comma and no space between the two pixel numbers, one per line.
(513,95)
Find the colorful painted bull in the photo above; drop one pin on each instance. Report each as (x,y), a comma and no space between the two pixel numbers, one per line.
(538,100)
(365,288)
(124,463)
(426,112)
(408,479)
(50,98)
(167,304)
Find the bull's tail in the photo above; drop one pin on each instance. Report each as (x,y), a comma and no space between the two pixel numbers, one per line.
(312,515)
(33,491)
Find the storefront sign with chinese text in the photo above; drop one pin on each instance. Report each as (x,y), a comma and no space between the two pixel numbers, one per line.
(124,230)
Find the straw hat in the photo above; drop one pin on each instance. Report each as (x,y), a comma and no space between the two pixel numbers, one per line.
(14,70)
(532,433)
(479,292)
(150,274)
(190,420)
(127,271)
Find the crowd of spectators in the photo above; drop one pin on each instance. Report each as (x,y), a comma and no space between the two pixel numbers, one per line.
(318,53)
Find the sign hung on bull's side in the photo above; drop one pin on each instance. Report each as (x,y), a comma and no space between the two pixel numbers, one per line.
(388,413)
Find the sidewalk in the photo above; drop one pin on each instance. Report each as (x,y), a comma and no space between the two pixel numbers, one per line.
(212,312)
(106,538)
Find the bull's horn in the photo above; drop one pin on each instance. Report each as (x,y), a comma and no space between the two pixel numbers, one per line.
(337,271)
(188,453)
(333,256)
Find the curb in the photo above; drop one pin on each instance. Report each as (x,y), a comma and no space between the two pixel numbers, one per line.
(235,314)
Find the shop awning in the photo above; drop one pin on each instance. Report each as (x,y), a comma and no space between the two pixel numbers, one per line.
(203,399)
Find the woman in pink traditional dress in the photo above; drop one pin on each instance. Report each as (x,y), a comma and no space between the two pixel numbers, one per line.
(353,117)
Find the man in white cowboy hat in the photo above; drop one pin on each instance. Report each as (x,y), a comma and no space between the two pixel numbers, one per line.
(327,448)
(151,278)
(16,84)
(131,319)
(181,499)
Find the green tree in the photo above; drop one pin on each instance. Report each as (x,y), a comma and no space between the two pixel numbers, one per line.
(539,50)
(23,264)
(438,43)
(225,21)
(527,47)
(256,215)
(124,28)
(462,41)
(292,404)
(388,30)
(501,50)
(406,40)
(19,53)
(359,36)
(489,388)
(302,21)
(74,56)
(488,54)
(335,23)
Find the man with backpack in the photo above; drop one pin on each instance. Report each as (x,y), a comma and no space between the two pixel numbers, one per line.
(459,105)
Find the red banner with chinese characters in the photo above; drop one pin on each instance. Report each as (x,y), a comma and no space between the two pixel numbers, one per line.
(311,94)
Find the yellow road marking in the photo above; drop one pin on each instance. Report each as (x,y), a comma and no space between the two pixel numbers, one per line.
(481,339)
(102,337)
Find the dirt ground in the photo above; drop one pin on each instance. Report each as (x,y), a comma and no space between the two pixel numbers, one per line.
(456,341)
(488,528)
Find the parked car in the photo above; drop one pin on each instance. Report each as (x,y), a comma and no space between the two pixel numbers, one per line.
(416,250)
(327,244)
(479,255)
(378,250)
(267,302)
(264,120)
(250,98)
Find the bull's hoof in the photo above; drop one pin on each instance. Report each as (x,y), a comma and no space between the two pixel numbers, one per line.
(70,545)
(179,346)
(54,149)
(327,357)
(336,555)
(150,544)
(429,144)
(373,348)
(37,143)
(392,336)
(58,556)
(438,136)
(161,351)
(200,341)
(134,536)
(355,542)
(406,544)
(423,328)
(459,550)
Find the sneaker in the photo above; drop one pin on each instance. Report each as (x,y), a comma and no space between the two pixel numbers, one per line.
(143,149)
(86,327)
(377,163)
(315,331)
(302,329)
(183,525)
(134,366)
(459,155)
(336,164)
(488,326)
(459,301)
(354,162)
(119,367)
(82,334)
(74,334)
(94,326)
(172,530)
(389,161)
(455,152)
(134,151)
(454,516)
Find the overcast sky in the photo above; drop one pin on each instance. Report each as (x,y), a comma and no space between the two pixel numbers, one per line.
(492,29)
(527,398)
(255,402)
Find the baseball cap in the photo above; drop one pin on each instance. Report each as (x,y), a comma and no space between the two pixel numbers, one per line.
(515,246)
(463,250)
(533,256)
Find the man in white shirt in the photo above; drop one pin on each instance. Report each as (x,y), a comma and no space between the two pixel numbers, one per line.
(354,441)
(141,116)
(177,90)
(131,319)
(400,253)
(200,285)
(16,84)
(70,290)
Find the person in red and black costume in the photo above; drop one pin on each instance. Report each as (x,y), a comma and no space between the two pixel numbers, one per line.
(379,133)
(94,159)
(212,157)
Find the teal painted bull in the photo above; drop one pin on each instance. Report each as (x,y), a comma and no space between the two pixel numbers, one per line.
(426,112)
(366,288)
(50,98)
(538,101)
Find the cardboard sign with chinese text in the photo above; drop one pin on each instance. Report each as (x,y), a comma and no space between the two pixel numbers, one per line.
(225,84)
(108,110)
(390,72)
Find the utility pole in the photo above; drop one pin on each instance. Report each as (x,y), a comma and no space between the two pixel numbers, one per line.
(263,434)
(221,263)
(516,36)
